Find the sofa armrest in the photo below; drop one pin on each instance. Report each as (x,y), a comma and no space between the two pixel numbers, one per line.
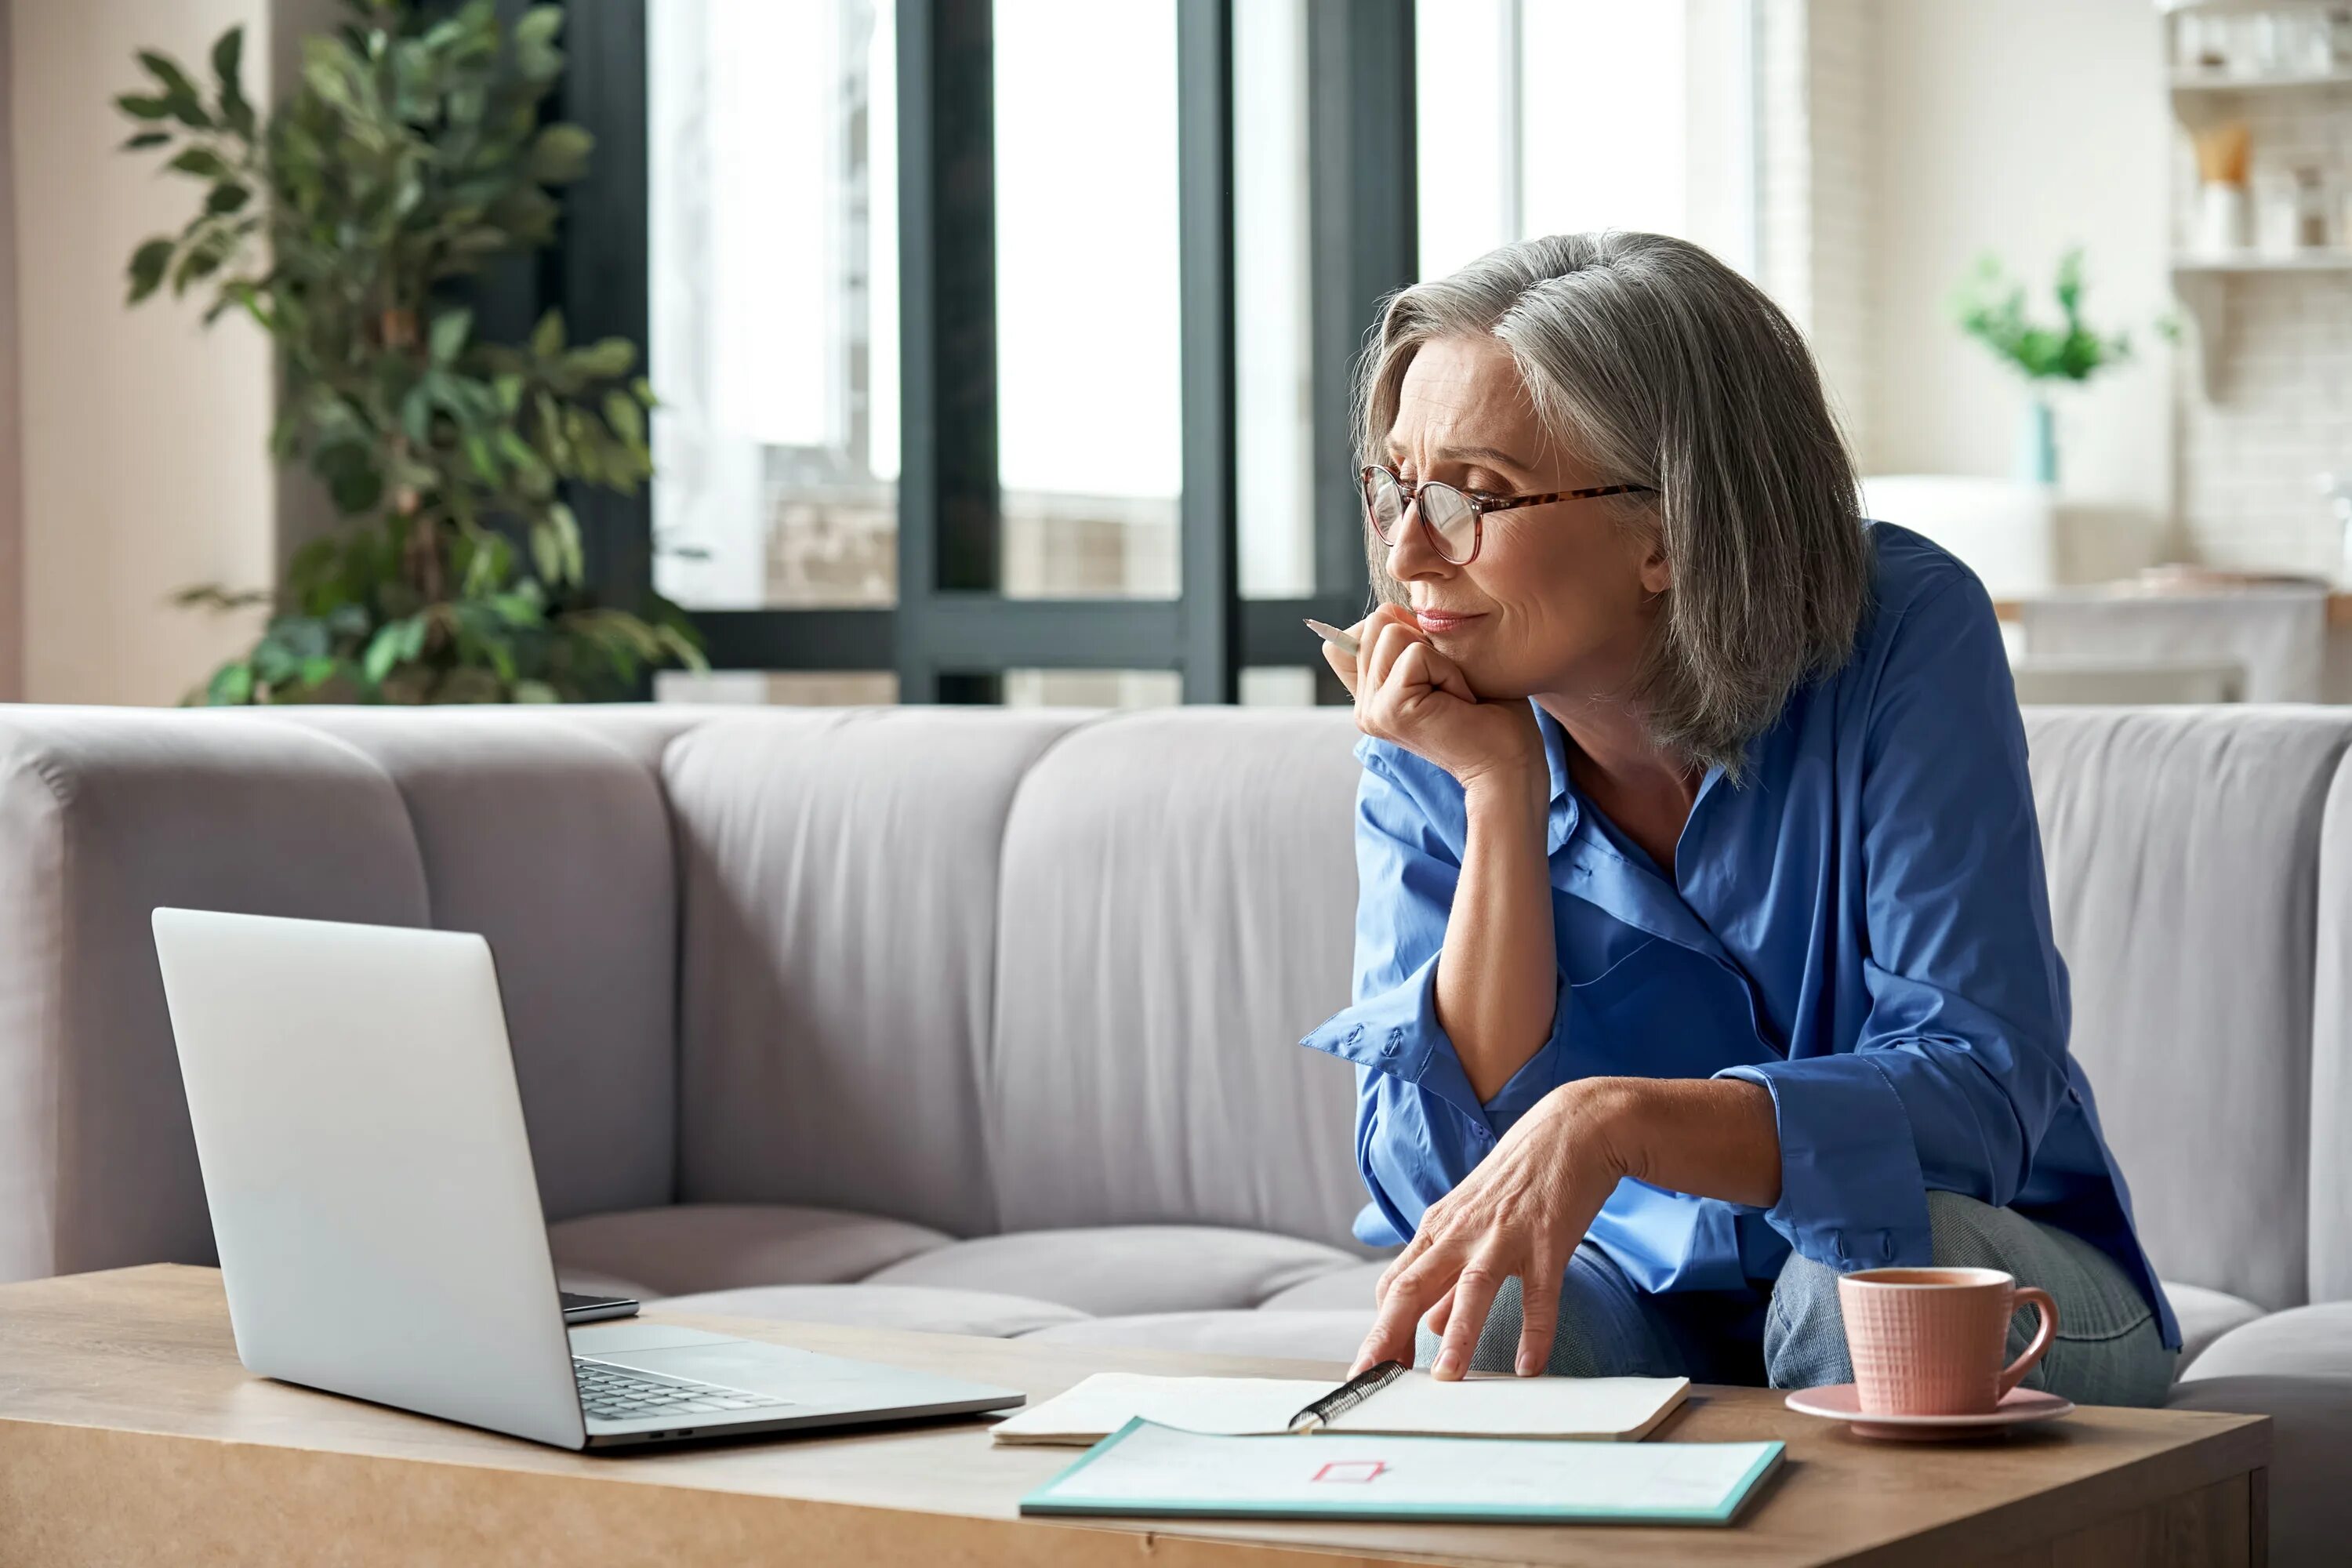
(104,815)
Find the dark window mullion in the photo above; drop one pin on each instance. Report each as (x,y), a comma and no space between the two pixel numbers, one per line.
(1362,243)
(601,277)
(1211,581)
(947,502)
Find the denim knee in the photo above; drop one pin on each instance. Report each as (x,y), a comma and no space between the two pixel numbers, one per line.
(1804,1328)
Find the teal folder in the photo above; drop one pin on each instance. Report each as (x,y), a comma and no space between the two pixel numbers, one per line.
(1149,1472)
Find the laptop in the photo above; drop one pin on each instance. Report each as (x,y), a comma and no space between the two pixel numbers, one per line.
(377,1214)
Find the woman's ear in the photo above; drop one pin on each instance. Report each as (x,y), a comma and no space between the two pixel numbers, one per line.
(1657,576)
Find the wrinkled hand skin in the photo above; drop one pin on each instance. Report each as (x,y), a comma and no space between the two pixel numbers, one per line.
(1408,693)
(1523,1211)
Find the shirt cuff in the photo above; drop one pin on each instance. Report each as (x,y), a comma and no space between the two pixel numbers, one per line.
(1396,1031)
(1852,1195)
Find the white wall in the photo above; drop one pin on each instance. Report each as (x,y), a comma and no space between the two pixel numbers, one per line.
(2024,126)
(143,436)
(12,490)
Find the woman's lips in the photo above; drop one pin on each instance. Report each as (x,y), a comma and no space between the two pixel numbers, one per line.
(1437,623)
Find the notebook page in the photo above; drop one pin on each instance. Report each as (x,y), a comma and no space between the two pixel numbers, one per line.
(1155,1470)
(1109,1400)
(1610,1407)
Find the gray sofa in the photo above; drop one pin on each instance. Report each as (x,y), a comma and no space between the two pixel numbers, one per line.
(985,1021)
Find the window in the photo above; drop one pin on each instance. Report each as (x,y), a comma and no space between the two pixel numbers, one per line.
(1656,135)
(773,237)
(1003,345)
(1089,419)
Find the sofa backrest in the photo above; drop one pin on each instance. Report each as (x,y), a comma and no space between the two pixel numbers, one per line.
(838,883)
(1178,909)
(545,835)
(987,970)
(2183,851)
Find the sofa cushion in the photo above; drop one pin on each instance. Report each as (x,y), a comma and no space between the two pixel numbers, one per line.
(839,932)
(1332,1337)
(2205,1316)
(2311,1431)
(554,844)
(723,1246)
(1125,1268)
(1346,1289)
(2303,1341)
(1179,889)
(2183,856)
(984,1312)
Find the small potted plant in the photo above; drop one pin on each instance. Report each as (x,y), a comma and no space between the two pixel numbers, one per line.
(412,153)
(1990,308)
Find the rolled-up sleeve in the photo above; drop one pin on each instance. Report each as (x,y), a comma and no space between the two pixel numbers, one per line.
(1420,1127)
(1960,1064)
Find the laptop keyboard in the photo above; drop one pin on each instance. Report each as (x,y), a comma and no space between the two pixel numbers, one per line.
(610,1393)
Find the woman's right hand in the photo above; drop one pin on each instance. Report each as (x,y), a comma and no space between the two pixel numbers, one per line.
(1408,693)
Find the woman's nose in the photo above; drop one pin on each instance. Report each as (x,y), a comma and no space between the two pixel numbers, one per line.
(1413,555)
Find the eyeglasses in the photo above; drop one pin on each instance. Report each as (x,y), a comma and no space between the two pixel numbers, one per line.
(1456,519)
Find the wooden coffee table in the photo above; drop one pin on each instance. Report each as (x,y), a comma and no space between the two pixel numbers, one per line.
(129,1432)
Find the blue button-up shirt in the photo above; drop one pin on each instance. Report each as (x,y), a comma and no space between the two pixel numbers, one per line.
(1860,925)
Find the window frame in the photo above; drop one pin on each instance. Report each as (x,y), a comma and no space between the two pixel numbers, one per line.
(952,633)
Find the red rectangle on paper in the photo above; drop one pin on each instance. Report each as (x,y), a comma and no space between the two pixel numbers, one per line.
(1350,1470)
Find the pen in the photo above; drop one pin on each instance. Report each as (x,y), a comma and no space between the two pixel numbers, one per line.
(1348,1396)
(1334,637)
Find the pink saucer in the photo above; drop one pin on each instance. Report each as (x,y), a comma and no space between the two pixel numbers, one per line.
(1839,1402)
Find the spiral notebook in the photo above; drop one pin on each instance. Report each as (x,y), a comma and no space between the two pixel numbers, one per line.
(1147,1472)
(1610,1409)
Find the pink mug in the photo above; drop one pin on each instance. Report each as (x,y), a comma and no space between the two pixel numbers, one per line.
(1929,1342)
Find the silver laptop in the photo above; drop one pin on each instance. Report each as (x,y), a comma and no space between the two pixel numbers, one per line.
(378,1217)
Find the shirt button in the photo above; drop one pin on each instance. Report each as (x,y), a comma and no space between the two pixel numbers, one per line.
(1886,1246)
(1355,1034)
(1395,1043)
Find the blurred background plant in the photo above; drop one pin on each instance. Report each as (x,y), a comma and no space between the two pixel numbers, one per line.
(411,155)
(1989,307)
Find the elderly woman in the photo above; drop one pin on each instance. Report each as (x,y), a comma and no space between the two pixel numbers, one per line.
(1703,949)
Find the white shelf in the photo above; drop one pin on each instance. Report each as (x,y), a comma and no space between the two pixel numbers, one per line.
(2327,260)
(2202,284)
(2204,81)
(2182,7)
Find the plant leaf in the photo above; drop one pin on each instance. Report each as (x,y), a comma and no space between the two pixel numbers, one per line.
(228,53)
(559,154)
(167,74)
(147,264)
(225,199)
(139,106)
(604,358)
(382,652)
(144,140)
(201,161)
(231,685)
(451,329)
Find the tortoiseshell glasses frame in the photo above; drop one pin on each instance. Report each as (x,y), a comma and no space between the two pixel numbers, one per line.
(1448,512)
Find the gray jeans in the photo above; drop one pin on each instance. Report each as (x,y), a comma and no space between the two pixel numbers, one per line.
(2109,1348)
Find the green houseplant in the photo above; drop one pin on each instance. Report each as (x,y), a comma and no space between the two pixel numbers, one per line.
(1990,308)
(412,154)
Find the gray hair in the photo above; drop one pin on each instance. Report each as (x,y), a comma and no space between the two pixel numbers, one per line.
(1665,368)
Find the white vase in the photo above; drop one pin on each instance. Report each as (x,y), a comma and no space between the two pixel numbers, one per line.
(2223,219)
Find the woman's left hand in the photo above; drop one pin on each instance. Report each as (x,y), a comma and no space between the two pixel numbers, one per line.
(1523,1211)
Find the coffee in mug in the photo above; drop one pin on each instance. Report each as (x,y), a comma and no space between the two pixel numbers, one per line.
(1929,1341)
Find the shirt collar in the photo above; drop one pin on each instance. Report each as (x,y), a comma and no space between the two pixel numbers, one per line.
(1562,818)
(1597,873)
